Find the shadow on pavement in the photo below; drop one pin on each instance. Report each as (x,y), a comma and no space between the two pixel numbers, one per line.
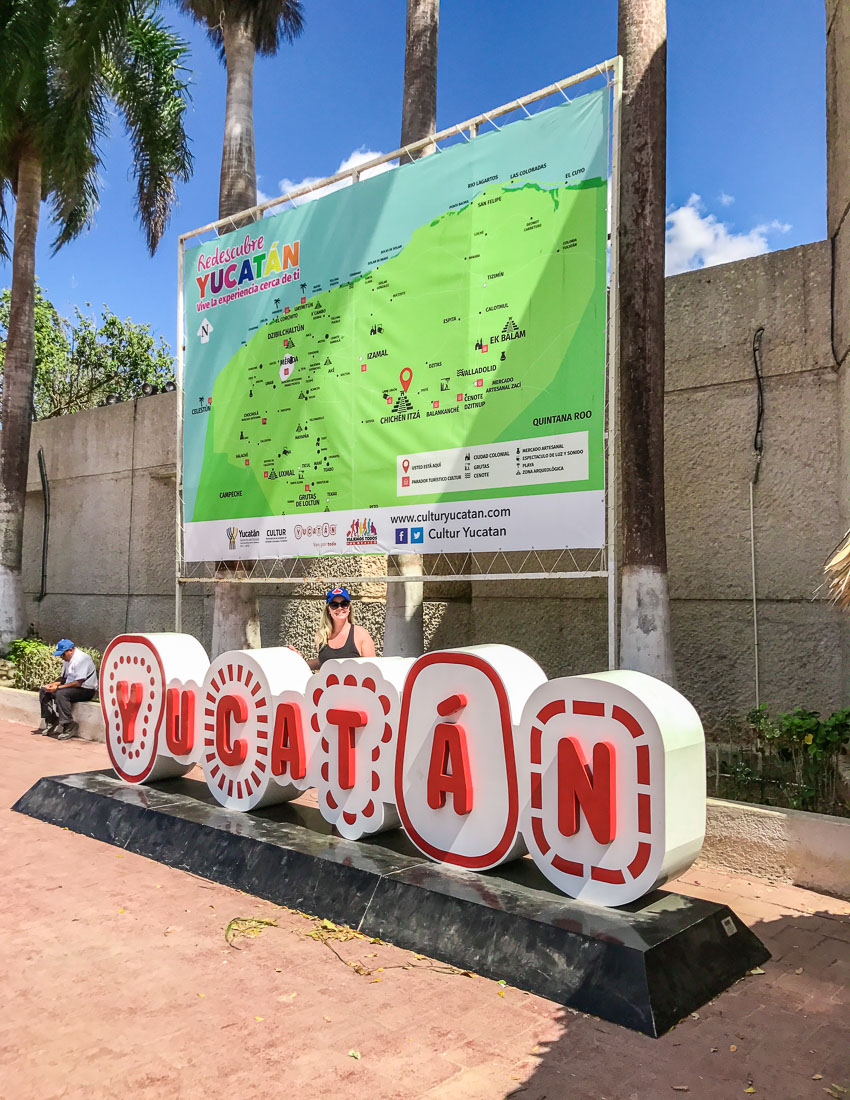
(782,1034)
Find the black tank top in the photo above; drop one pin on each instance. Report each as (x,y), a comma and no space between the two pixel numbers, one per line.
(328,653)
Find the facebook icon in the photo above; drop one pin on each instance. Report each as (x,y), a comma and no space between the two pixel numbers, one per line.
(417,534)
(400,536)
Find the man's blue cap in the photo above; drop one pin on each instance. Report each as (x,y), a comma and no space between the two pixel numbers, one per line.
(334,592)
(63,647)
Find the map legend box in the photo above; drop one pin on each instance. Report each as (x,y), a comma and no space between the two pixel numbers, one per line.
(520,462)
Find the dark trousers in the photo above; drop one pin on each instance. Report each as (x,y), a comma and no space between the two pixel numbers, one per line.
(56,705)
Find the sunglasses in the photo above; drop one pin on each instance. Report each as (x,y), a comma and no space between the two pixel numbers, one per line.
(339,603)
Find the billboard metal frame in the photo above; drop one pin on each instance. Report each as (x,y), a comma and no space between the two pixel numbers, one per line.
(517,565)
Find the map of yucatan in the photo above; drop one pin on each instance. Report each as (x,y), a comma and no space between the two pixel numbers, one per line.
(417,359)
(476,329)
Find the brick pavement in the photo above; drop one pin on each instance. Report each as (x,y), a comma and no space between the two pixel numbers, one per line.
(118,979)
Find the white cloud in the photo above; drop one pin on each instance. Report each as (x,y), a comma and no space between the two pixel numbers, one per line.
(696,239)
(359,156)
(726,200)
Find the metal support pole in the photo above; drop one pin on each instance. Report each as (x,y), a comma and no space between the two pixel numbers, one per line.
(178,457)
(612,484)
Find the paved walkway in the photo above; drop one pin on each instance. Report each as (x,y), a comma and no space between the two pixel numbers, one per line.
(118,980)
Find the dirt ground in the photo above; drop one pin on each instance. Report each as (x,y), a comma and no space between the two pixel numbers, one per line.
(118,979)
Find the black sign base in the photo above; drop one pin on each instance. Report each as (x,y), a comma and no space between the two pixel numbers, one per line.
(644,966)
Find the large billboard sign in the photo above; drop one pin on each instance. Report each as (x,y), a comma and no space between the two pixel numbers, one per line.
(473,752)
(415,362)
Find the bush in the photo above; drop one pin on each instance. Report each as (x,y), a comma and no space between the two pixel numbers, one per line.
(35,664)
(791,760)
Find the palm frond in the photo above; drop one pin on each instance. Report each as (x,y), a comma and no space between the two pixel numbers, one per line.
(269,22)
(5,186)
(837,571)
(148,89)
(80,122)
(25,27)
(26,30)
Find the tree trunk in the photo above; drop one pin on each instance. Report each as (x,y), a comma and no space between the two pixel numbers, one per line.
(419,103)
(236,617)
(404,634)
(16,414)
(404,631)
(238,183)
(236,605)
(645,611)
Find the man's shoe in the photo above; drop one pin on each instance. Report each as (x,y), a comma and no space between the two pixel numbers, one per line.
(40,729)
(52,730)
(69,731)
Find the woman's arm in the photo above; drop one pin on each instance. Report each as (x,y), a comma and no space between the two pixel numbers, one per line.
(312,662)
(363,641)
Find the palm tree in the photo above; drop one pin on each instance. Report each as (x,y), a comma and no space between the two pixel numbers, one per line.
(63,63)
(645,613)
(241,29)
(404,630)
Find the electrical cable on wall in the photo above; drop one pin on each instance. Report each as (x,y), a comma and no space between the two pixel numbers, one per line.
(758,436)
(758,451)
(45,531)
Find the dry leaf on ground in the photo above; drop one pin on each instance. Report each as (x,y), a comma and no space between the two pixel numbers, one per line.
(246,926)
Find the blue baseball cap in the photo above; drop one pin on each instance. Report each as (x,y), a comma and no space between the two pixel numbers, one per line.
(333,592)
(63,647)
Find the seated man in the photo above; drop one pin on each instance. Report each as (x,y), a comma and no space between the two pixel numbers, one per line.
(77,684)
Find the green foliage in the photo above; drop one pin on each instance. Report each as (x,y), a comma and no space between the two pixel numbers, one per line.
(67,69)
(35,664)
(21,648)
(796,756)
(77,365)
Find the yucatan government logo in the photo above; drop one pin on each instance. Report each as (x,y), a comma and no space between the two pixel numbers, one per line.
(232,532)
(362,532)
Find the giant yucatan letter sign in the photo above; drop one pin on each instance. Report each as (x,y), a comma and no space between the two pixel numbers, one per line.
(476,755)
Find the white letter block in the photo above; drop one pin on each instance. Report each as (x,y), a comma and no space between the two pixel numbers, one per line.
(134,673)
(613,794)
(239,700)
(353,759)
(456,777)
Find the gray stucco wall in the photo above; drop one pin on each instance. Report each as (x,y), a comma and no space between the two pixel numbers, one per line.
(110,564)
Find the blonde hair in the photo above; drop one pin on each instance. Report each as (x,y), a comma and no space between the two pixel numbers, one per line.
(326,626)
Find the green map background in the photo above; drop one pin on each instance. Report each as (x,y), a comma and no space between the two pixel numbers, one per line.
(535,246)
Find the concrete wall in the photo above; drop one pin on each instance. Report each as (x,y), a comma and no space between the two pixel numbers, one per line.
(111,472)
(710,421)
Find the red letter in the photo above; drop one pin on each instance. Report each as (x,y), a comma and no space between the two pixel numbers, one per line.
(346,721)
(288,742)
(595,793)
(201,280)
(179,721)
(448,772)
(231,753)
(129,699)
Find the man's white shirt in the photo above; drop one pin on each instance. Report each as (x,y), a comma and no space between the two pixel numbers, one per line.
(81,667)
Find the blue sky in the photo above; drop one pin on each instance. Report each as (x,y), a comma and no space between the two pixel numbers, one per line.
(746,125)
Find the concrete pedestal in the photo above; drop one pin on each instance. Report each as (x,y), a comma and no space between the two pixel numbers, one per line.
(644,966)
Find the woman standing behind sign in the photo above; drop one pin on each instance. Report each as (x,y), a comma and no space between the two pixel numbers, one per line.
(337,635)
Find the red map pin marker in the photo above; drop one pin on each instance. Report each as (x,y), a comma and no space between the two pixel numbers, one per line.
(405,465)
(406,377)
